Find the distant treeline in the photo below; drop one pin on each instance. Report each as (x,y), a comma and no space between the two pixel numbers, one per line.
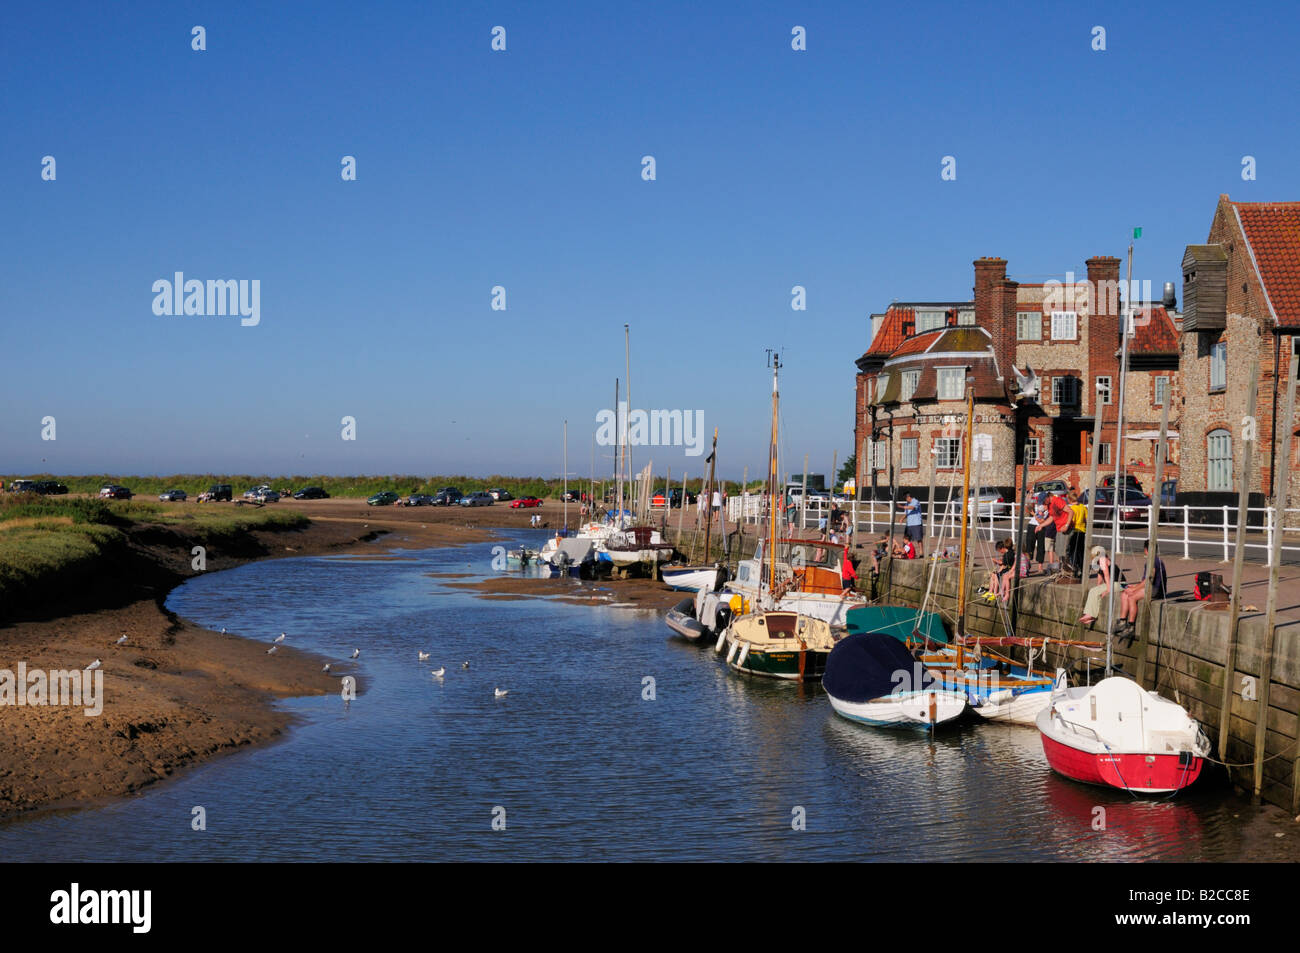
(342,486)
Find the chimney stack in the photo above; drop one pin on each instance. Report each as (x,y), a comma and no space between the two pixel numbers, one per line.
(1103,327)
(995,307)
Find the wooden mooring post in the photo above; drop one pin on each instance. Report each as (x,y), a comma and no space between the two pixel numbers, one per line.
(1153,527)
(1281,495)
(1238,561)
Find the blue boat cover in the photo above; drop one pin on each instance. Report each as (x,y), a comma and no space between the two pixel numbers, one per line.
(898,621)
(865,665)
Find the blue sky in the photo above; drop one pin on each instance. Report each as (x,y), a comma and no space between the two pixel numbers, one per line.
(476,168)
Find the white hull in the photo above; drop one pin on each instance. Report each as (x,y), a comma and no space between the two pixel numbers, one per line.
(1021,709)
(622,558)
(906,709)
(690,578)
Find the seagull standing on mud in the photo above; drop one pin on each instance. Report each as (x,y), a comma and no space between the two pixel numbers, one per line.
(122,640)
(272,649)
(326,668)
(280,637)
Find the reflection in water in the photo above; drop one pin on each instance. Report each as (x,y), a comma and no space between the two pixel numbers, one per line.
(715,767)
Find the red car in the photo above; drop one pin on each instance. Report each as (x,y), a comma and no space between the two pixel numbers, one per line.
(525,501)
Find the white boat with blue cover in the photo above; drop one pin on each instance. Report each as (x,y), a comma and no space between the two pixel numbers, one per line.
(874,680)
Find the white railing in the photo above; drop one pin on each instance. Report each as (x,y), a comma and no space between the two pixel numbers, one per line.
(1197,532)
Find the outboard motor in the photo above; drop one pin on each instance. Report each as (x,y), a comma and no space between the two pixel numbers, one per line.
(721,617)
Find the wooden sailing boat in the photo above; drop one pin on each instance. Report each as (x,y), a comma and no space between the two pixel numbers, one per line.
(771,642)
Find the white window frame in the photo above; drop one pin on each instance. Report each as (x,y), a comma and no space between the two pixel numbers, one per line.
(946,374)
(1032,319)
(966,319)
(1065,325)
(908,382)
(1104,396)
(908,453)
(1219,364)
(949,448)
(1160,399)
(1104,458)
(930,323)
(1065,382)
(1033,450)
(1218,467)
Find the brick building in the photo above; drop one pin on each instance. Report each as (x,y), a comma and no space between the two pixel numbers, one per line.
(1242,314)
(910,406)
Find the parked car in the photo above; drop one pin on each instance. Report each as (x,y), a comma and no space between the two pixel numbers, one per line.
(501,495)
(676,497)
(575,496)
(1129,480)
(385,498)
(419,499)
(525,502)
(265,494)
(1133,507)
(49,488)
(991,503)
(1051,486)
(311,493)
(172,496)
(251,492)
(1168,492)
(111,491)
(480,498)
(22,486)
(447,496)
(217,493)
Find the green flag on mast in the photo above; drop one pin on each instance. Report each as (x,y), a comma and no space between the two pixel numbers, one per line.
(1137,232)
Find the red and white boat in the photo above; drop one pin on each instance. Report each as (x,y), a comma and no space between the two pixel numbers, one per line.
(1117,734)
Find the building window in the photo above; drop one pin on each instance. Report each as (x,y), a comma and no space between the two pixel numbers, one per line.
(1218,465)
(1219,366)
(948,455)
(952,383)
(908,383)
(882,454)
(1065,390)
(930,320)
(1029,326)
(1103,389)
(1032,451)
(882,381)
(1162,391)
(909,453)
(966,319)
(1104,459)
(1065,325)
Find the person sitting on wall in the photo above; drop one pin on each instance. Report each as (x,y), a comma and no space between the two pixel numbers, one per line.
(1102,566)
(877,554)
(1132,595)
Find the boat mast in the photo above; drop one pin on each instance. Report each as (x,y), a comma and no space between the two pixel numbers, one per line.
(965,515)
(566,477)
(618,454)
(773,479)
(708,500)
(1118,490)
(627,447)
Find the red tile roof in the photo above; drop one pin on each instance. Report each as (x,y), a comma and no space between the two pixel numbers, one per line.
(918,344)
(894,327)
(1273,231)
(1156,333)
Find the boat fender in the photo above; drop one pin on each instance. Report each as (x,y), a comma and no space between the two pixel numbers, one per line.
(744,654)
(731,653)
(999,697)
(722,637)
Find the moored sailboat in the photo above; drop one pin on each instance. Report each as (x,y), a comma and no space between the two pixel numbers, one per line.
(872,678)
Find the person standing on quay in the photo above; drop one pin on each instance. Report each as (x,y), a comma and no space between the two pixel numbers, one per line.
(1059,513)
(912,521)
